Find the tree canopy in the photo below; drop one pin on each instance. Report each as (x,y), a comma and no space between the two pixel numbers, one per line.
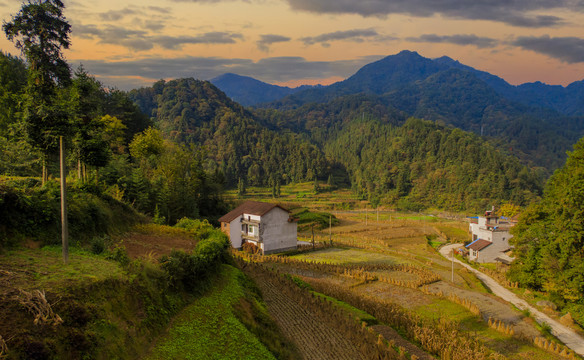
(549,239)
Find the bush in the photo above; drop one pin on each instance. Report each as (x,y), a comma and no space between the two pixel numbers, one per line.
(120,255)
(32,211)
(98,244)
(201,229)
(186,270)
(320,219)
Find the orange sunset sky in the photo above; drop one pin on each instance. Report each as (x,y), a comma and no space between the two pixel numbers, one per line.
(133,43)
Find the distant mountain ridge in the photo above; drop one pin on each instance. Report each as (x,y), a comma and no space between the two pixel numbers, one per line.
(393,73)
(248,91)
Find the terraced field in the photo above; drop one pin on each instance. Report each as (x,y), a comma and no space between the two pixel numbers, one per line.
(390,269)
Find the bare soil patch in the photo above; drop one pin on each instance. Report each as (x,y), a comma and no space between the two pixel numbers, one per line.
(140,245)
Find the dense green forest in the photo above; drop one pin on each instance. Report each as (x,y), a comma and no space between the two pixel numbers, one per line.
(533,126)
(357,140)
(549,239)
(421,164)
(190,111)
(111,146)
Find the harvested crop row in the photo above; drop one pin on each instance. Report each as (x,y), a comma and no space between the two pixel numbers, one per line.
(314,339)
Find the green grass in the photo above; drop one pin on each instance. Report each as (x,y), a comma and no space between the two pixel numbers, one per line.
(356,313)
(209,328)
(320,220)
(50,273)
(454,233)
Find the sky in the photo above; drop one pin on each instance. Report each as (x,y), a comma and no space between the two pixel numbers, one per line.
(133,43)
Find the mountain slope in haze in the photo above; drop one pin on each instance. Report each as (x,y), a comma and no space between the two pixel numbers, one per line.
(531,119)
(567,100)
(404,69)
(379,77)
(248,91)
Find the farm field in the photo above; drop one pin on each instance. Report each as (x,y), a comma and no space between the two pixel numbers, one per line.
(209,328)
(392,262)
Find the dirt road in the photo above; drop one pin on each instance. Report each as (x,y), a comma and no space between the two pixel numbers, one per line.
(565,334)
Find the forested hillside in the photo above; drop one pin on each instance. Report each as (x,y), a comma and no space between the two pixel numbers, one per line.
(357,139)
(537,122)
(196,112)
(548,239)
(113,152)
(421,164)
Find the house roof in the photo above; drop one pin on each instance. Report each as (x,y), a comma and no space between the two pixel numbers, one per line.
(249,207)
(505,259)
(479,244)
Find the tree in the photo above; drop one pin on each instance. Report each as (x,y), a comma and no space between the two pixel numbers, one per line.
(549,238)
(241,187)
(316,186)
(40,31)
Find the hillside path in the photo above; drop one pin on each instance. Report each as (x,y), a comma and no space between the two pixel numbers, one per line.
(566,335)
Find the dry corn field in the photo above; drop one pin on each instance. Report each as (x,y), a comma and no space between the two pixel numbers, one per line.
(388,269)
(314,339)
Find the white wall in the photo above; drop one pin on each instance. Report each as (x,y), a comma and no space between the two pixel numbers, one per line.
(276,232)
(490,253)
(235,233)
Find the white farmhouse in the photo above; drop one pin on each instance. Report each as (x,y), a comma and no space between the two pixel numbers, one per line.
(268,226)
(490,239)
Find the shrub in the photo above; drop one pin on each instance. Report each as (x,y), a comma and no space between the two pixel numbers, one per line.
(98,244)
(120,255)
(186,270)
(32,211)
(201,229)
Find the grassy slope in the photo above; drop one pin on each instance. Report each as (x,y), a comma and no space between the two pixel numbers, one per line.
(209,328)
(106,310)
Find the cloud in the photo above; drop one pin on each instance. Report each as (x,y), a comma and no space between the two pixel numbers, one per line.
(124,73)
(512,12)
(268,39)
(140,40)
(566,49)
(158,9)
(355,35)
(116,15)
(458,39)
(214,37)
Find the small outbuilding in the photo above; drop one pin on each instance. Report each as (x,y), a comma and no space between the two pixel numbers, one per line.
(268,226)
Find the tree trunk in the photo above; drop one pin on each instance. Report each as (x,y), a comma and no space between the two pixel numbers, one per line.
(64,223)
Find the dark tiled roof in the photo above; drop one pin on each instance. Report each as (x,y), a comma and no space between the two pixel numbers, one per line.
(249,207)
(479,244)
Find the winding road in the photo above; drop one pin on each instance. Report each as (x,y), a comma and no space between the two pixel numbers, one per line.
(566,335)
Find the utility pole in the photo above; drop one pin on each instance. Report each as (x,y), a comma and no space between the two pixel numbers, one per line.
(64,223)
